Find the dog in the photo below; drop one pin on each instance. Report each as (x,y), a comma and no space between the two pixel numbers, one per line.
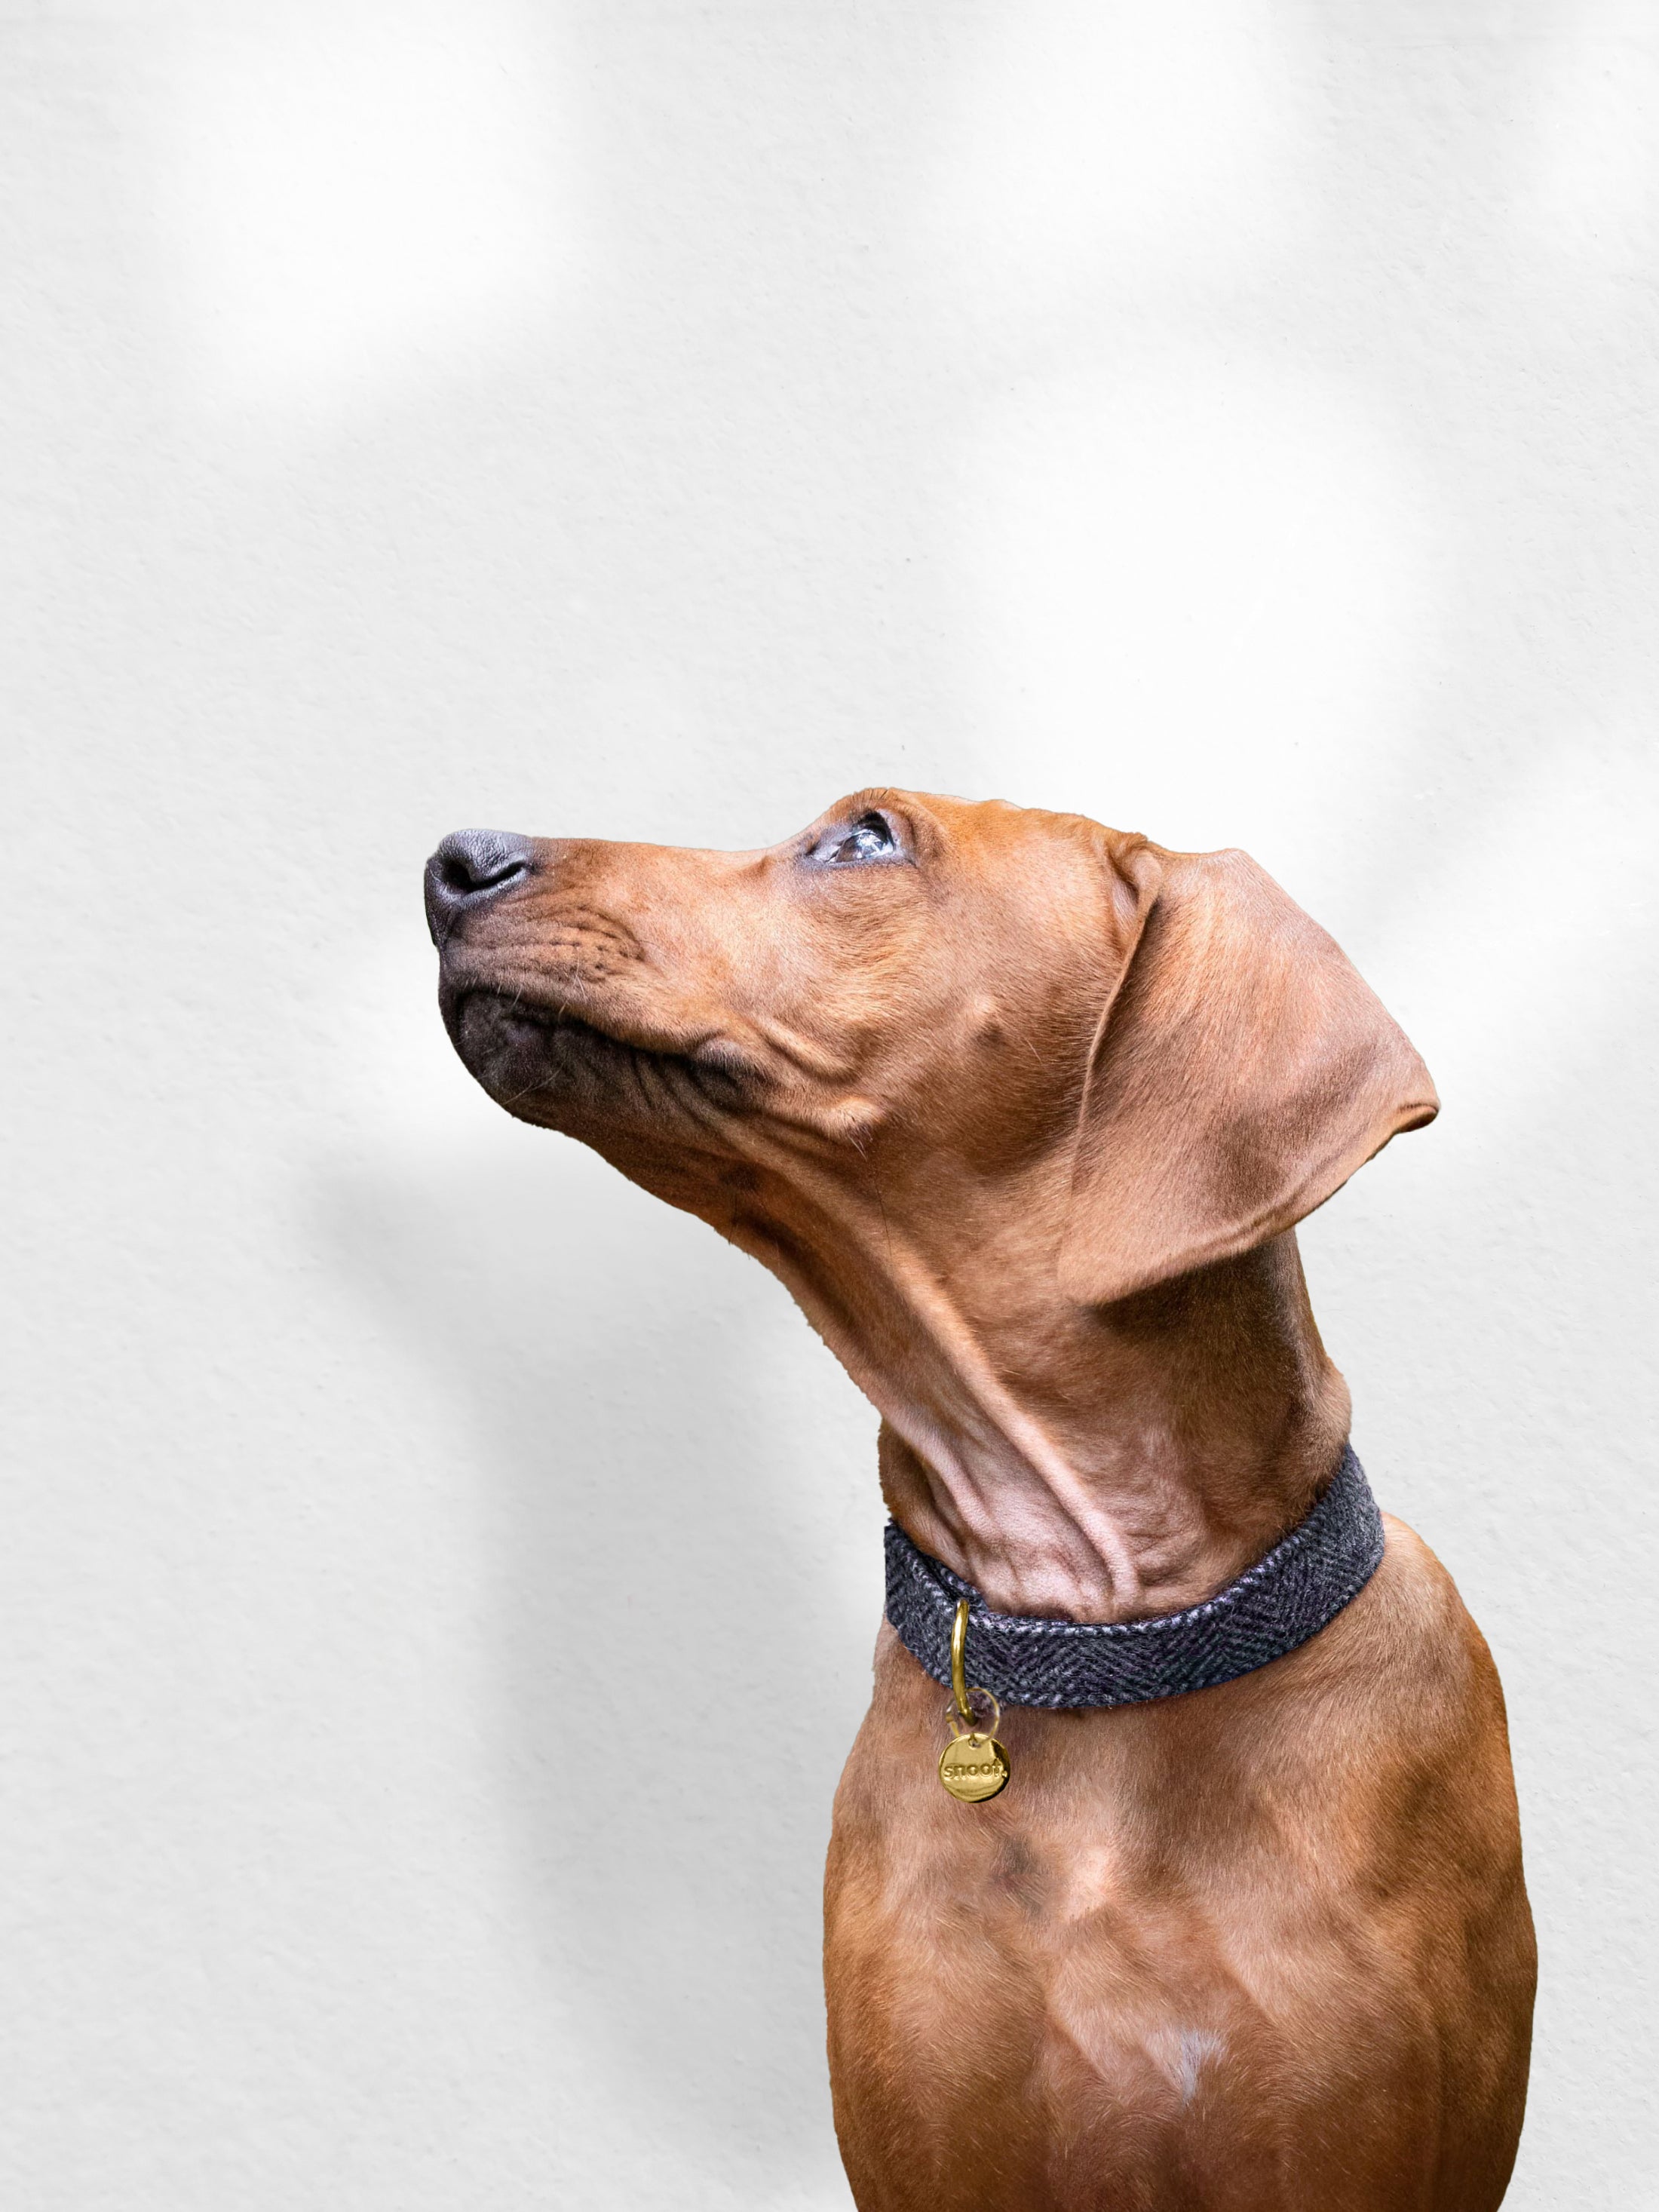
(1023,1112)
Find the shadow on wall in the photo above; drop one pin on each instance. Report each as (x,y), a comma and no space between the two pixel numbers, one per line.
(657,1617)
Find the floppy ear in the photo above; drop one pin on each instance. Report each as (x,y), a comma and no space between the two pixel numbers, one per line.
(1241,1073)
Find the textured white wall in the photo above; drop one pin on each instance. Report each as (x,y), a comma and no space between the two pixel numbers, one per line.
(1235,420)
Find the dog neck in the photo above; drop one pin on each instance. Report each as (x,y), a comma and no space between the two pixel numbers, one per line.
(1093,1464)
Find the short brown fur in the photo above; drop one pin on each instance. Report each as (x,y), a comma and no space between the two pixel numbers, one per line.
(1024,1113)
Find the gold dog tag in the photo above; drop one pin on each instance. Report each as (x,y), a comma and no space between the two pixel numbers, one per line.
(973,1766)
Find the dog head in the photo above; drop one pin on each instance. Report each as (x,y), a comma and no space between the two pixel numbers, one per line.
(1156,1055)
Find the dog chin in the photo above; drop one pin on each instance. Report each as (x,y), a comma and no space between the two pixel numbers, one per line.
(540,1067)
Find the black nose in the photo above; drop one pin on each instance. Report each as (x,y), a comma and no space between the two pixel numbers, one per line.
(472,865)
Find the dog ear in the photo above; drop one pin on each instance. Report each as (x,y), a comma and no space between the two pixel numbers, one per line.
(1240,1073)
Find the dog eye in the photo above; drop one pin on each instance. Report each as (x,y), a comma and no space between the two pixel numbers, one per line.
(870,838)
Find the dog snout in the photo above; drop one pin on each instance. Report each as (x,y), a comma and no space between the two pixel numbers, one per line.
(470,867)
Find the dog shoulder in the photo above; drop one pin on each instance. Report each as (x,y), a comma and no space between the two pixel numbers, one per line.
(1420,1602)
(1407,1648)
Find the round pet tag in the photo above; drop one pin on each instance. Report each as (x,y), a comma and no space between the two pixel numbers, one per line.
(973,1768)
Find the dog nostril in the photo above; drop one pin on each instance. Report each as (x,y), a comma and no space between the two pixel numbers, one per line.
(470,861)
(459,874)
(472,865)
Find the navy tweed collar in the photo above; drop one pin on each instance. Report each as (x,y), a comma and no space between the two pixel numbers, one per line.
(1276,1605)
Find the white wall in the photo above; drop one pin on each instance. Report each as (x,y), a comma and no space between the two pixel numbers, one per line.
(1235,422)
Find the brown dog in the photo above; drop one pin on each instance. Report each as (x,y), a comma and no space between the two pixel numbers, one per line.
(1023,1111)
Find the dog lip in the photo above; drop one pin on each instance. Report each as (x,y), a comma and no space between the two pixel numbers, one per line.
(515,1005)
(534,1008)
(714,1056)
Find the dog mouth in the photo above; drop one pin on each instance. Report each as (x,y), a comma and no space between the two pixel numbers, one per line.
(515,1016)
(546,1063)
(516,1046)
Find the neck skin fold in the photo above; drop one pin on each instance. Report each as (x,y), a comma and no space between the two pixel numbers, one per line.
(1088,1464)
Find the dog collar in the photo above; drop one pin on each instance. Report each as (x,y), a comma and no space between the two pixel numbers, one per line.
(1304,1583)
